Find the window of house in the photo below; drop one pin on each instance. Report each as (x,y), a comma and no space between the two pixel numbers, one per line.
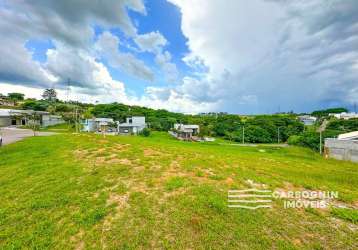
(130,120)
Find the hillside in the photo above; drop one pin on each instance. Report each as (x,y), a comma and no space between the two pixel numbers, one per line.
(88,192)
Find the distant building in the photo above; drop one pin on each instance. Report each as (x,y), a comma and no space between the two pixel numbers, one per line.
(345,147)
(50,120)
(307,119)
(186,132)
(14,117)
(5,101)
(96,124)
(133,125)
(345,115)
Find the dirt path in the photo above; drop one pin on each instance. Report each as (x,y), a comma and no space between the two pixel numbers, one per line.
(11,135)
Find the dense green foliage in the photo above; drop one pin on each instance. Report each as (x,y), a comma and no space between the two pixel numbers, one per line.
(16,96)
(311,139)
(326,112)
(35,105)
(343,125)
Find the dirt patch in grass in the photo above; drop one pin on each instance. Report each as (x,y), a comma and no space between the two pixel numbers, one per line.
(208,172)
(120,147)
(337,223)
(254,184)
(80,153)
(174,164)
(229,181)
(176,192)
(103,155)
(120,202)
(151,152)
(78,240)
(100,160)
(124,161)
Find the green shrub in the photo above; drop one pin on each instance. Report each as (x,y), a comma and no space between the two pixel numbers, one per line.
(294,140)
(145,132)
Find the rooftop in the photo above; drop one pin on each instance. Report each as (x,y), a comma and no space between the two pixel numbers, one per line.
(349,136)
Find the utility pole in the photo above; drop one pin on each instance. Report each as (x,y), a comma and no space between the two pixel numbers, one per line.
(76,119)
(278,135)
(320,142)
(243,134)
(68,90)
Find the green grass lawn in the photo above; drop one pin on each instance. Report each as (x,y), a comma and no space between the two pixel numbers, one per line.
(124,192)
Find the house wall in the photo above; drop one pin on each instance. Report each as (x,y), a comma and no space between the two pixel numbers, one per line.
(308,122)
(342,149)
(89,126)
(50,120)
(7,121)
(137,120)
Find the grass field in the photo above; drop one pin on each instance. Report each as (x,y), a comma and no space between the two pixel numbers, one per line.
(87,192)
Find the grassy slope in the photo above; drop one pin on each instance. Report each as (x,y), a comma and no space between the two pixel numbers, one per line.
(83,191)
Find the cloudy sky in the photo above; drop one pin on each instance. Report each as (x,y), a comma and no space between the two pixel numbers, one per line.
(238,56)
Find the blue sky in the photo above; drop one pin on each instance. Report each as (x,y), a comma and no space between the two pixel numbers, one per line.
(240,56)
(161,16)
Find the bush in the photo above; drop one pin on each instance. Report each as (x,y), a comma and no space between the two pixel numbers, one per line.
(311,139)
(145,132)
(294,140)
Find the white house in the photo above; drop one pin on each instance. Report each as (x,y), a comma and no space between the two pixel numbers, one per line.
(186,131)
(96,124)
(307,119)
(345,115)
(133,125)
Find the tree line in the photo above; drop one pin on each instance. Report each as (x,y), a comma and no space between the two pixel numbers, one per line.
(251,129)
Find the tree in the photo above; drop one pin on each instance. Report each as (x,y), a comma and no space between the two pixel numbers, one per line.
(49,95)
(32,119)
(256,134)
(326,112)
(34,122)
(15,97)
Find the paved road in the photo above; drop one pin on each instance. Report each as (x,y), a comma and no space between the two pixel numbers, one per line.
(11,135)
